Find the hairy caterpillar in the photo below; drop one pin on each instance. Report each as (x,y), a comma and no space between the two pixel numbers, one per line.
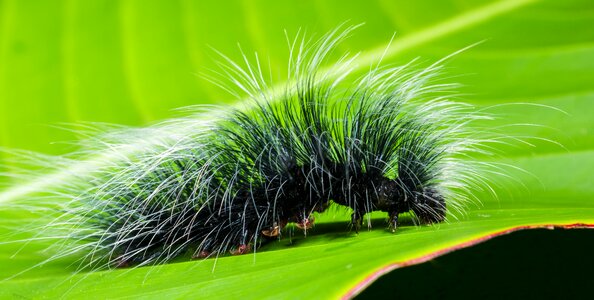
(390,141)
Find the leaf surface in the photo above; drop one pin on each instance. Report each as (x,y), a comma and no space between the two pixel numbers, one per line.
(133,62)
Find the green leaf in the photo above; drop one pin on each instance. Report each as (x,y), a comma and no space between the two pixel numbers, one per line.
(131,62)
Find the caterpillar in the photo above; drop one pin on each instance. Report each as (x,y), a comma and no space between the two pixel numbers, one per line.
(390,140)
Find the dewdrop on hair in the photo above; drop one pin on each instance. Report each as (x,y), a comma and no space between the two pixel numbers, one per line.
(390,140)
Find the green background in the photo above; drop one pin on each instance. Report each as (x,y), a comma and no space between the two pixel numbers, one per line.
(135,62)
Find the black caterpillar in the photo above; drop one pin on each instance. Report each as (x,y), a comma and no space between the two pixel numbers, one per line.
(388,141)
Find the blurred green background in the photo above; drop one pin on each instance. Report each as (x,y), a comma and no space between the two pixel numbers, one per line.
(135,62)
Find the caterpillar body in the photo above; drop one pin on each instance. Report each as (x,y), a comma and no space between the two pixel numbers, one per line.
(389,141)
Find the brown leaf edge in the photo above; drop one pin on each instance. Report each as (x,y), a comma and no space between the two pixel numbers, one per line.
(361,285)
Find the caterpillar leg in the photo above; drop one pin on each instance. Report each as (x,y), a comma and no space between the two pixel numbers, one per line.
(275,230)
(272,232)
(202,254)
(241,249)
(122,263)
(306,223)
(393,221)
(357,220)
